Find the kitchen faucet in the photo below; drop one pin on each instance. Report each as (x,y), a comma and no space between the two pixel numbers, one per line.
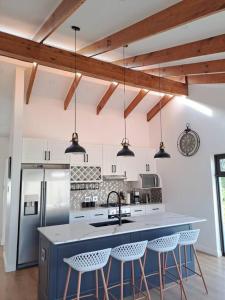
(119,216)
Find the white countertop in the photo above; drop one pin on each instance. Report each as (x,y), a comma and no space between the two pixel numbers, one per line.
(62,234)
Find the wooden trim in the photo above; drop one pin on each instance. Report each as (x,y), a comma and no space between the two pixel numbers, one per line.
(171,17)
(135,102)
(153,111)
(106,96)
(30,51)
(211,45)
(204,67)
(31,82)
(206,78)
(65,9)
(72,90)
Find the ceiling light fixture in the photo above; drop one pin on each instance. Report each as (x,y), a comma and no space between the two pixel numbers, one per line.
(75,148)
(161,153)
(125,151)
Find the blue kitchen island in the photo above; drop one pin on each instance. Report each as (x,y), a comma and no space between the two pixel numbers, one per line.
(62,241)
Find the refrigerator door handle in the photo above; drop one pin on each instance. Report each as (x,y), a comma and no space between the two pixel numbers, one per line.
(44,202)
(41,203)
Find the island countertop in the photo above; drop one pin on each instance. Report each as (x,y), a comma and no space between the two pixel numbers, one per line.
(62,234)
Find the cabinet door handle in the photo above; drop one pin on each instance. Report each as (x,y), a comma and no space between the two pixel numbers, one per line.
(49,155)
(136,210)
(115,168)
(99,214)
(87,157)
(155,208)
(78,217)
(45,155)
(147,167)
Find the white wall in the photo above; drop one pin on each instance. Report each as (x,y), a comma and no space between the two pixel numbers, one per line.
(45,117)
(189,183)
(4,145)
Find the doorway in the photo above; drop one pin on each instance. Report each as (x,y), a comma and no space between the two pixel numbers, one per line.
(220,183)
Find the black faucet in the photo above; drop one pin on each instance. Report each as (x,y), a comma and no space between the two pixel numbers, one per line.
(119,216)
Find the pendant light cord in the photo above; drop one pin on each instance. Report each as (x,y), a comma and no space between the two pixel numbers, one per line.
(124,90)
(160,107)
(75,68)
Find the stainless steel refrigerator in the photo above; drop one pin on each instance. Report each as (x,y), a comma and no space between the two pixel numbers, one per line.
(44,201)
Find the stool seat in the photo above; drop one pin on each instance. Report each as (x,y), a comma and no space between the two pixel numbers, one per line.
(89,261)
(164,244)
(188,237)
(129,252)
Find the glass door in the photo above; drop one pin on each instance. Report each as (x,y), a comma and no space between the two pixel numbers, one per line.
(220,181)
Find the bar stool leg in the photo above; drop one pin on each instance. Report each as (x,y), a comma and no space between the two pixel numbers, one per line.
(121,281)
(144,278)
(200,270)
(108,273)
(132,278)
(67,283)
(78,285)
(178,272)
(104,284)
(96,284)
(160,276)
(144,263)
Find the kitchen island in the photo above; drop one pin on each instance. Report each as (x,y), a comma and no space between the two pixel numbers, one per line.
(62,241)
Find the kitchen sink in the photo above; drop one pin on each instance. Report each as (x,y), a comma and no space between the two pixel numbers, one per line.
(108,223)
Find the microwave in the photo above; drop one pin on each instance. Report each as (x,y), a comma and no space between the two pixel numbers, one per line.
(147,181)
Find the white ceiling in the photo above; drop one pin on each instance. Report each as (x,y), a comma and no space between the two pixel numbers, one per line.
(97,19)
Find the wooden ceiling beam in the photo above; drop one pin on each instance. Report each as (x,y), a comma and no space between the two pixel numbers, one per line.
(62,12)
(30,51)
(162,102)
(135,102)
(206,78)
(106,96)
(171,17)
(207,46)
(72,90)
(205,67)
(31,82)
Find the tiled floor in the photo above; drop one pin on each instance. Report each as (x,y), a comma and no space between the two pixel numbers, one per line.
(22,285)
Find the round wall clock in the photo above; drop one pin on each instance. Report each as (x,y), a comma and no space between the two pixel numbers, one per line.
(188,142)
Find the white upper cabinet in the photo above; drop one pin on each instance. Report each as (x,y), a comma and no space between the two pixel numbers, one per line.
(44,151)
(34,150)
(56,152)
(92,157)
(111,163)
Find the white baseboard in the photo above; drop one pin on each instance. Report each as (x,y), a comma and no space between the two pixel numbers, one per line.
(208,250)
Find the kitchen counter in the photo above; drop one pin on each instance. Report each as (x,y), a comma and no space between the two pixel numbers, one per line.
(68,233)
(59,242)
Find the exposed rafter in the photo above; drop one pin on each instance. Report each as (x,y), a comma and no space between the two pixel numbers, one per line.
(72,90)
(205,67)
(153,111)
(135,102)
(65,9)
(206,78)
(176,15)
(106,96)
(30,51)
(211,45)
(31,82)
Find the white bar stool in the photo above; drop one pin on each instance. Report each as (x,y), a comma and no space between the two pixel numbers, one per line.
(128,253)
(87,262)
(165,246)
(189,238)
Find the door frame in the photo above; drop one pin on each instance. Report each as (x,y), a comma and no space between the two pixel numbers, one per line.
(218,174)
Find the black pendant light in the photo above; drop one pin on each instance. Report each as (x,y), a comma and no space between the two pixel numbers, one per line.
(125,151)
(75,147)
(162,153)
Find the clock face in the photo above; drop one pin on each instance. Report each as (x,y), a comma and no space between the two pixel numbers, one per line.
(188,143)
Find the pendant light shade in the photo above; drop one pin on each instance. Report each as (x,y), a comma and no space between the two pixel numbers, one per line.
(162,153)
(75,147)
(125,151)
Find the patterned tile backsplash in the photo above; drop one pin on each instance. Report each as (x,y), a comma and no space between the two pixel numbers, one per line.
(77,197)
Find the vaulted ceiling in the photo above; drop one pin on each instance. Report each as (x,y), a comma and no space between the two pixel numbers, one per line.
(160,33)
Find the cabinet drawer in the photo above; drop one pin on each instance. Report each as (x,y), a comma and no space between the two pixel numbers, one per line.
(137,211)
(99,214)
(79,216)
